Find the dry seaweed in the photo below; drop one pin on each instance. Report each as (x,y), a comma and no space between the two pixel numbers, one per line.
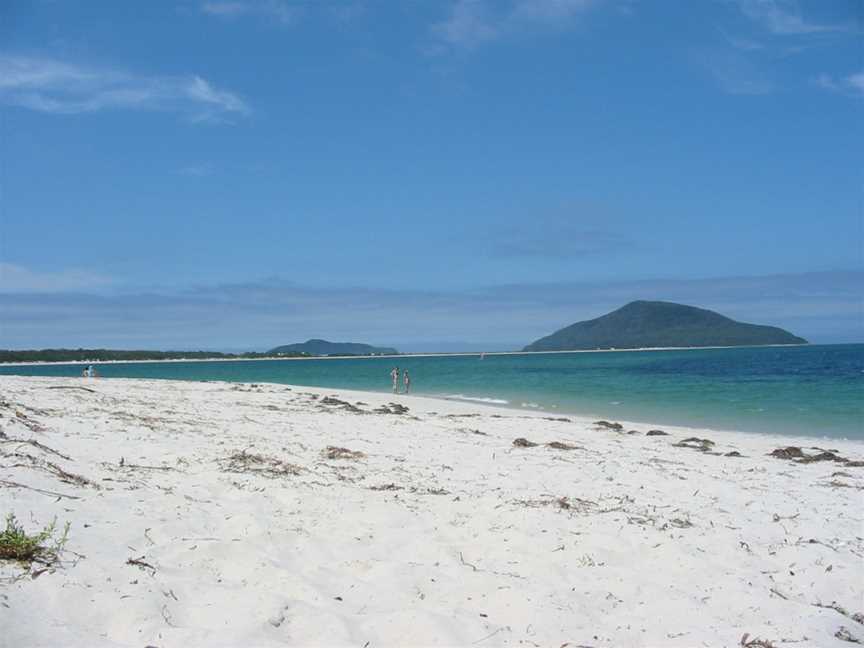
(560,445)
(471,431)
(386,487)
(843,634)
(755,642)
(563,503)
(702,445)
(797,455)
(333,452)
(341,404)
(656,433)
(609,426)
(245,462)
(392,408)
(524,443)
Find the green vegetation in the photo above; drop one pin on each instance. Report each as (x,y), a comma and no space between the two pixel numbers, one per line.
(644,324)
(317,347)
(103,355)
(17,544)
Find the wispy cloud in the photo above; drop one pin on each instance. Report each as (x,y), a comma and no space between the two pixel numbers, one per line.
(736,74)
(348,12)
(856,82)
(196,170)
(561,241)
(269,9)
(52,86)
(852,84)
(783,17)
(821,306)
(18,279)
(470,23)
(777,29)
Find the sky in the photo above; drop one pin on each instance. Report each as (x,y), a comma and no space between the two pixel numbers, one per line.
(425,174)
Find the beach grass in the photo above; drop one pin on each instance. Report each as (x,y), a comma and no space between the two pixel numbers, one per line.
(18,545)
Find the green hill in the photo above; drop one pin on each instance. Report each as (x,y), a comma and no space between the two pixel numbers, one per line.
(324,348)
(642,324)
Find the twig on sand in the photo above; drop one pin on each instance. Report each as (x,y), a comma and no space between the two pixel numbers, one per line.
(140,563)
(70,478)
(138,467)
(857,617)
(35,444)
(489,571)
(11,484)
(87,389)
(467,564)
(489,636)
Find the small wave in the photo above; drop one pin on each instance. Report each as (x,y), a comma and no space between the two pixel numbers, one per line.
(532,405)
(478,399)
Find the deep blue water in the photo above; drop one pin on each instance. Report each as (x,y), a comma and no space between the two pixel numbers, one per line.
(815,390)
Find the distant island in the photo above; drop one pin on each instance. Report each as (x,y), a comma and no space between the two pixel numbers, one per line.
(118,355)
(646,324)
(317,347)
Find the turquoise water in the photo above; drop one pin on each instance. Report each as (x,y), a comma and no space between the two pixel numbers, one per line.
(815,390)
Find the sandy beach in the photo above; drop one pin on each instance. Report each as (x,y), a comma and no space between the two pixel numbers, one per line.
(219,514)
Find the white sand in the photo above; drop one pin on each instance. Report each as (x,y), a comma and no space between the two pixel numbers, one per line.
(655,545)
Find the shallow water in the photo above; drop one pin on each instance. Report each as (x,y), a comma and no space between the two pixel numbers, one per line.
(815,390)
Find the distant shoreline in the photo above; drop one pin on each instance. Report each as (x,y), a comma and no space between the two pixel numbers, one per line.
(401,355)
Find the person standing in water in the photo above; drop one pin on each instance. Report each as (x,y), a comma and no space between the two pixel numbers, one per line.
(394,374)
(406,380)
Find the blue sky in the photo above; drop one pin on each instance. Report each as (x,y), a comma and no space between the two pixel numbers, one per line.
(425,174)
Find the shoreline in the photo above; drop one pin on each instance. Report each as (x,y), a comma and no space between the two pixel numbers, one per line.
(485,402)
(404,355)
(216,513)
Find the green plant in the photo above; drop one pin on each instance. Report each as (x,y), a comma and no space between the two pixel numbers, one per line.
(17,544)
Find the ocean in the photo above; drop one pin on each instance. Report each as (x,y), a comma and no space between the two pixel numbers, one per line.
(816,390)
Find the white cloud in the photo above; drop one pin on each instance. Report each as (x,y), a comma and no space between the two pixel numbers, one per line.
(471,23)
(270,9)
(782,17)
(51,86)
(18,279)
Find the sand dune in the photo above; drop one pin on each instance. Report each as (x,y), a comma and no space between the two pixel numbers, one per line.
(222,514)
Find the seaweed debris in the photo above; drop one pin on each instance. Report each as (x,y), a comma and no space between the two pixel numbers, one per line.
(333,452)
(524,443)
(249,463)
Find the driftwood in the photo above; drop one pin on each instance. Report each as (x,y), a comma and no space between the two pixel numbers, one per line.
(11,484)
